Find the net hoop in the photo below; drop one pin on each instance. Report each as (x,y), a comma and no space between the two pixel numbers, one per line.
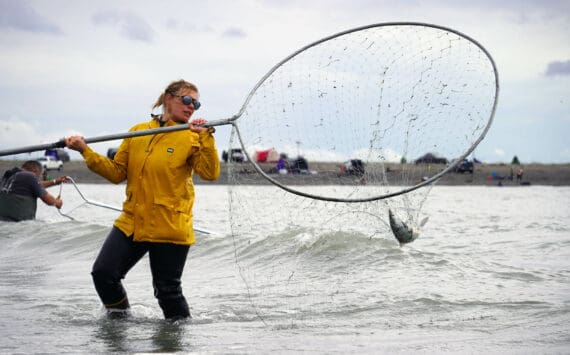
(233,120)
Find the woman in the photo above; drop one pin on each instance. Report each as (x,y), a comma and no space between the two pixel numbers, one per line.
(157,212)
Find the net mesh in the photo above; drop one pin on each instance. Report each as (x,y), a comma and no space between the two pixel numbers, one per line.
(355,117)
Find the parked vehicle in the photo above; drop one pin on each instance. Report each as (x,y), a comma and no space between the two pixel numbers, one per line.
(353,167)
(235,155)
(111,152)
(57,154)
(299,165)
(465,166)
(49,163)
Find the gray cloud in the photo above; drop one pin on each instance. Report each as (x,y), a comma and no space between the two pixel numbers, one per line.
(234,32)
(175,25)
(128,24)
(20,15)
(558,68)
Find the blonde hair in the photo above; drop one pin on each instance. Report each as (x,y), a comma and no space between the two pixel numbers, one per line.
(173,89)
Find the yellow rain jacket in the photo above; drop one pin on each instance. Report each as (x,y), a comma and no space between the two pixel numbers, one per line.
(158,169)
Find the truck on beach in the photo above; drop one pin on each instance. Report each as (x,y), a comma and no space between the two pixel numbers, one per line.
(49,163)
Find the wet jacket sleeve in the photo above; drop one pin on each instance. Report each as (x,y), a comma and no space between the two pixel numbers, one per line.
(205,161)
(114,170)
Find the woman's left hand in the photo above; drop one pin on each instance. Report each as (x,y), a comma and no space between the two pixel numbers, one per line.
(196,125)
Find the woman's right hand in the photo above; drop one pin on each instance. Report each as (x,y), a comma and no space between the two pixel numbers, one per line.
(196,125)
(76,143)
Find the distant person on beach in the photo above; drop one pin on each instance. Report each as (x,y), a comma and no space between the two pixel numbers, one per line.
(520,175)
(21,187)
(282,164)
(157,212)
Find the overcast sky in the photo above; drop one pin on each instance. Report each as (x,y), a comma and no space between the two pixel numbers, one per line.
(96,67)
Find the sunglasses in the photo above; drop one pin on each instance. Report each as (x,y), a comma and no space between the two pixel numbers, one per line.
(187,100)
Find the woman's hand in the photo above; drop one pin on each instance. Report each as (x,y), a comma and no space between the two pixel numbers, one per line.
(76,143)
(196,125)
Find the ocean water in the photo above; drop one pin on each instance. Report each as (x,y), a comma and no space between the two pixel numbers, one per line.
(490,273)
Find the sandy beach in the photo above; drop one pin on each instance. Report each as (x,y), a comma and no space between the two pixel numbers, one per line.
(534,174)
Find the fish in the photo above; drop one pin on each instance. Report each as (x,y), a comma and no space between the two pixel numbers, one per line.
(403,233)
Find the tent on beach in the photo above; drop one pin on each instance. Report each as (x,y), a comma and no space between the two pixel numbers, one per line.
(266,156)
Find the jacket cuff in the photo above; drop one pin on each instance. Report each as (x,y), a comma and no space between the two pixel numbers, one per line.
(89,155)
(206,137)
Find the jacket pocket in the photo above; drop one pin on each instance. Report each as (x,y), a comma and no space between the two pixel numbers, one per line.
(172,218)
(174,204)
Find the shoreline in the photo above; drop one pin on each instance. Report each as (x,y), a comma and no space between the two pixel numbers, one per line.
(534,174)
